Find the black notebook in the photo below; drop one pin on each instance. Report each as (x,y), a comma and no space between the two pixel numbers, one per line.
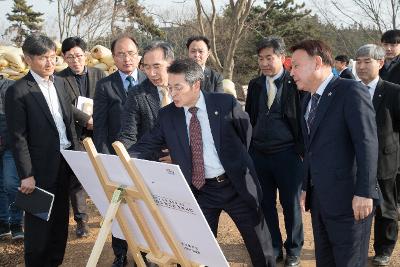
(38,203)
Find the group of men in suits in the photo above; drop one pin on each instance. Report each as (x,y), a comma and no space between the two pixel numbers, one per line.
(323,149)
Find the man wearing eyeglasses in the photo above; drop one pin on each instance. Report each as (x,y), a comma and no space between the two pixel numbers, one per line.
(80,80)
(109,98)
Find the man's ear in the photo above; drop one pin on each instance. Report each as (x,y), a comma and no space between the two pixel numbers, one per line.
(318,62)
(196,85)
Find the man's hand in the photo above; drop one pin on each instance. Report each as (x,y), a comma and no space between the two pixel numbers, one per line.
(167,158)
(362,207)
(303,200)
(89,124)
(27,185)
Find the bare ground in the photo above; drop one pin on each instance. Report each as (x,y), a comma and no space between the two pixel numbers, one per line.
(78,249)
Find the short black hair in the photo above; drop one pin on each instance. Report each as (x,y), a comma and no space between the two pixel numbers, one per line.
(391,37)
(198,38)
(273,42)
(192,71)
(72,42)
(343,58)
(37,45)
(125,36)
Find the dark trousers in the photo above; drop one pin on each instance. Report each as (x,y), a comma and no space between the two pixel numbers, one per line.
(119,246)
(78,200)
(340,240)
(281,171)
(215,197)
(45,241)
(386,227)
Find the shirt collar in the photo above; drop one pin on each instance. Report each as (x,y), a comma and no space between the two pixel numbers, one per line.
(134,75)
(343,70)
(39,79)
(372,84)
(278,75)
(200,104)
(324,84)
(76,74)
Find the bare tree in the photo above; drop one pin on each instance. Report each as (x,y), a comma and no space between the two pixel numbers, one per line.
(65,12)
(380,13)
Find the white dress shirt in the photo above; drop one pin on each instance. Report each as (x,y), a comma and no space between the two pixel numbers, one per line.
(50,94)
(212,164)
(319,91)
(372,86)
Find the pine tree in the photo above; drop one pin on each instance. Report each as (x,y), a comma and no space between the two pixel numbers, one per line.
(24,21)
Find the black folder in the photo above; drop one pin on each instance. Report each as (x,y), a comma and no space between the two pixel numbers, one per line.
(38,203)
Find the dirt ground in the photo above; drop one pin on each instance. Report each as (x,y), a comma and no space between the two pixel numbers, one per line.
(78,250)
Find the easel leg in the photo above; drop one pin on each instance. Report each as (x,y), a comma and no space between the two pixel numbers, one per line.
(105,228)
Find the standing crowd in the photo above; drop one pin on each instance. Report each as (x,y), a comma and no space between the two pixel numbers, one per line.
(314,141)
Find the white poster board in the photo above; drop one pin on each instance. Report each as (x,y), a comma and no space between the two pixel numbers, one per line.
(172,195)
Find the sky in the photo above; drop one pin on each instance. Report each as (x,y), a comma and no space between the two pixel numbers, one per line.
(153,6)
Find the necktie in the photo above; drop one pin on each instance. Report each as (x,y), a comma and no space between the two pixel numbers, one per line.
(131,82)
(165,97)
(271,91)
(313,110)
(196,145)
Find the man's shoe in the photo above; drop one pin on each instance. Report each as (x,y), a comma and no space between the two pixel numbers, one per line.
(81,229)
(292,260)
(279,258)
(120,261)
(381,260)
(16,232)
(4,229)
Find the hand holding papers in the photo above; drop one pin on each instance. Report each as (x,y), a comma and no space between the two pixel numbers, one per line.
(85,104)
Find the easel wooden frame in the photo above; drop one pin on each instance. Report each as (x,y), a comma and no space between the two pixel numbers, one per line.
(117,194)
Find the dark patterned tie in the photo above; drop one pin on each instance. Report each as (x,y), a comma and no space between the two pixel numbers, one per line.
(196,145)
(131,83)
(313,111)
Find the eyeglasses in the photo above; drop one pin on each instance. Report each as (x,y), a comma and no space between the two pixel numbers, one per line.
(129,54)
(73,57)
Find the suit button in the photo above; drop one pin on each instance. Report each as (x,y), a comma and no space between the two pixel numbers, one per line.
(310,154)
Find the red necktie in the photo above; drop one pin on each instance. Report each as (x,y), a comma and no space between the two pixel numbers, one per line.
(196,145)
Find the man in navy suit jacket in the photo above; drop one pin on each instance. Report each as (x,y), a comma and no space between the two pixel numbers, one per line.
(109,98)
(208,136)
(341,154)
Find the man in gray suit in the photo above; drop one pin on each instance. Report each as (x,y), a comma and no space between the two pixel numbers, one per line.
(144,101)
(80,80)
(109,98)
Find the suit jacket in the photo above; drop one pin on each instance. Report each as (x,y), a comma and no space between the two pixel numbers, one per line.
(109,98)
(291,109)
(386,102)
(347,74)
(140,113)
(212,81)
(33,132)
(342,147)
(231,131)
(80,117)
(393,74)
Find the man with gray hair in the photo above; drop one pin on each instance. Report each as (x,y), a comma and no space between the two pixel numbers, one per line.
(208,136)
(142,105)
(386,100)
(273,104)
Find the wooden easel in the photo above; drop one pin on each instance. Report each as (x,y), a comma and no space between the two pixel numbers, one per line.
(130,194)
